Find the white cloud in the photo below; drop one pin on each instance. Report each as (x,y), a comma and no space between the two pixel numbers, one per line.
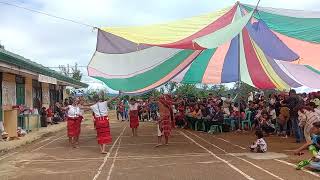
(52,42)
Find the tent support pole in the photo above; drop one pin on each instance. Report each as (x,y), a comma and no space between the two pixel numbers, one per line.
(239,82)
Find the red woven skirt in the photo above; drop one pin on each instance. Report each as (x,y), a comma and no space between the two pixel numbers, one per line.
(73,127)
(103,130)
(134,119)
(79,120)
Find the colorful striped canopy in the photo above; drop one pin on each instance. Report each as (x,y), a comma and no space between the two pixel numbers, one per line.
(267,49)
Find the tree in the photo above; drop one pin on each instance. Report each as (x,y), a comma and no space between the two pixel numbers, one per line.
(243,89)
(219,90)
(76,73)
(73,72)
(187,90)
(153,93)
(170,87)
(65,70)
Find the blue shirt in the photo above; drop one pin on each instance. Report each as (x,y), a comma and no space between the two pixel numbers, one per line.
(315,140)
(153,106)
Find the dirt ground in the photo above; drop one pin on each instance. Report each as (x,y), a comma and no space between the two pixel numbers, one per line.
(190,156)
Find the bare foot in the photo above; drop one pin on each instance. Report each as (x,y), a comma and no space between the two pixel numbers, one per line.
(158,145)
(104,152)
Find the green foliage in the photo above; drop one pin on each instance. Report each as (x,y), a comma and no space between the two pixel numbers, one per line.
(187,90)
(153,93)
(219,90)
(76,73)
(170,87)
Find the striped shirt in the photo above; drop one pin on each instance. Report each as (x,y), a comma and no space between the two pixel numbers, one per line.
(308,118)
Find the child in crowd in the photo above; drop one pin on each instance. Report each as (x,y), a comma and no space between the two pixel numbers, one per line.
(49,115)
(265,123)
(260,145)
(144,113)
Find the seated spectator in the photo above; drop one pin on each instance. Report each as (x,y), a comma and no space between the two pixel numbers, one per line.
(196,113)
(265,123)
(216,118)
(49,115)
(180,116)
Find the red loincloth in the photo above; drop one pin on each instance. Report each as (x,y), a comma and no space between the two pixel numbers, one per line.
(166,124)
(134,118)
(103,130)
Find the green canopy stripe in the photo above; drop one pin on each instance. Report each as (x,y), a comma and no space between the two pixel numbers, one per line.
(147,78)
(225,34)
(312,69)
(244,72)
(306,29)
(198,67)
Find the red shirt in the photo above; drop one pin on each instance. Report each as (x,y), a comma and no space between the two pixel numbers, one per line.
(49,112)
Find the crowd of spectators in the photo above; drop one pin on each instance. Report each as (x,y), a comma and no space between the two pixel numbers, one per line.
(283,114)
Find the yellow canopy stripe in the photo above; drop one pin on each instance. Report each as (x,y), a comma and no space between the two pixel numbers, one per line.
(166,33)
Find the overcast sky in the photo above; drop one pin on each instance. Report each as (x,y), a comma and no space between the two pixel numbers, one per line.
(53,42)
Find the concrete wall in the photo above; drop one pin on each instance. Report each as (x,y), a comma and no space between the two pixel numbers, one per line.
(8,91)
(45,95)
(65,94)
(28,91)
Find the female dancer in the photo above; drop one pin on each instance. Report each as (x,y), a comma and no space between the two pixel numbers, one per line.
(134,116)
(74,118)
(101,121)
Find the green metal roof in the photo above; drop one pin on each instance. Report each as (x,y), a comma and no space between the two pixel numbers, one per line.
(16,60)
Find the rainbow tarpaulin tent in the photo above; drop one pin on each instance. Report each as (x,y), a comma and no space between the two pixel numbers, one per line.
(268,49)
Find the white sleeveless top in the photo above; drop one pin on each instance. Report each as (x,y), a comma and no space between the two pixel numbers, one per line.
(73,111)
(133,107)
(100,109)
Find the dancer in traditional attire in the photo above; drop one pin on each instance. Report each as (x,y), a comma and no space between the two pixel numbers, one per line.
(134,116)
(101,122)
(164,123)
(74,118)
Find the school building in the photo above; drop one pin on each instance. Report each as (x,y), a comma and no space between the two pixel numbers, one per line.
(24,82)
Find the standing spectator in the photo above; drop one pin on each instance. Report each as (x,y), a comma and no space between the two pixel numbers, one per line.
(120,109)
(294,103)
(43,117)
(250,97)
(126,109)
(153,109)
(307,116)
(227,104)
